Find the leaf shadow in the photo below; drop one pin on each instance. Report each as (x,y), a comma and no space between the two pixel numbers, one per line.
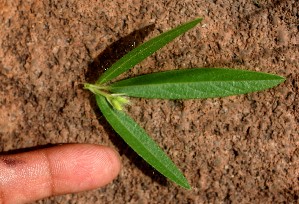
(28,149)
(104,60)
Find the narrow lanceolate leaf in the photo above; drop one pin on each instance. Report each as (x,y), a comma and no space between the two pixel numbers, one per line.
(140,142)
(195,83)
(143,51)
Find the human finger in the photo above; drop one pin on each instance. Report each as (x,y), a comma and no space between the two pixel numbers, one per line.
(71,168)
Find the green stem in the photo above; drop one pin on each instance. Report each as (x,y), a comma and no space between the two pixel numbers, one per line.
(97,89)
(115,100)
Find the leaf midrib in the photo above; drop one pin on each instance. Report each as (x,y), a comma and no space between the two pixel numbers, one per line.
(171,83)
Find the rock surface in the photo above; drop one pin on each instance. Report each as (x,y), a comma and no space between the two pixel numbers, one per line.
(240,149)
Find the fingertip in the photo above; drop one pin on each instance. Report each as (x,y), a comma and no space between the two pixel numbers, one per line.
(115,163)
(106,164)
(57,170)
(83,167)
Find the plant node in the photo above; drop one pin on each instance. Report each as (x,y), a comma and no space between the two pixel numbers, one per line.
(117,101)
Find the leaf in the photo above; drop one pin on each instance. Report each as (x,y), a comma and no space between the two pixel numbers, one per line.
(143,51)
(195,83)
(140,142)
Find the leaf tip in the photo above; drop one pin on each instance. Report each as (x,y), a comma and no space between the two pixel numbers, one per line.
(196,21)
(183,182)
(282,79)
(187,186)
(279,79)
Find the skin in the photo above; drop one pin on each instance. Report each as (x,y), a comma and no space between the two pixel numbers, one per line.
(70,168)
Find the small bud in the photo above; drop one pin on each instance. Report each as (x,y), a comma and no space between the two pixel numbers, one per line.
(118,102)
(123,100)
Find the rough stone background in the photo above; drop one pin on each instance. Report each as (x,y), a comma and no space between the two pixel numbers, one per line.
(242,149)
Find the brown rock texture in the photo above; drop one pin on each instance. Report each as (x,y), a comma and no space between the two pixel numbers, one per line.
(240,149)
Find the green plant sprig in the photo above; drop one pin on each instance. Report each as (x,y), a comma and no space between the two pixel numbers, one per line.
(176,84)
